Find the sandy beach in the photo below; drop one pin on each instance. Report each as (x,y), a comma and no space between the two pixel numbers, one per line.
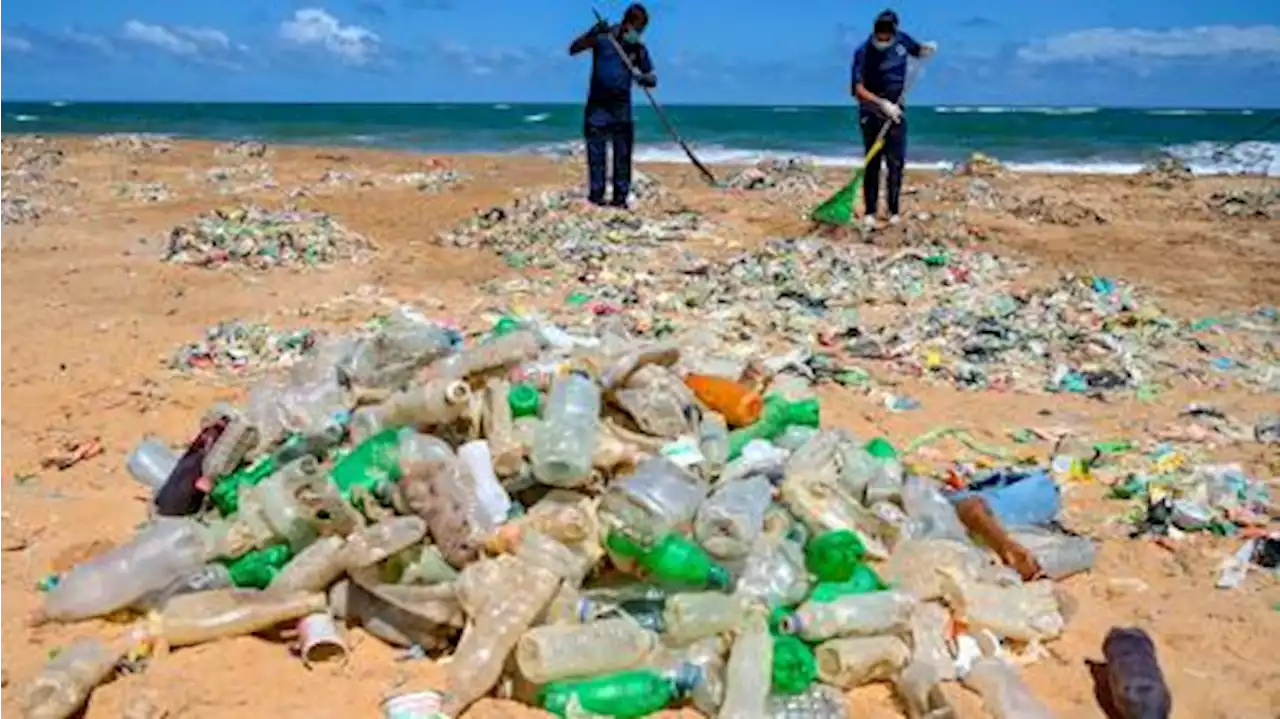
(94,316)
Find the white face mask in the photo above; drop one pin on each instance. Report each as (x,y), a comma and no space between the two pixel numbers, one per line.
(881,45)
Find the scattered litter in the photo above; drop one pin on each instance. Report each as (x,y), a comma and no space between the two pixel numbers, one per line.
(71,453)
(239,347)
(141,143)
(792,178)
(144,191)
(1165,172)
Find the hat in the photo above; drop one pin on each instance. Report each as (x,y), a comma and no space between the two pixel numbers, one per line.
(887,20)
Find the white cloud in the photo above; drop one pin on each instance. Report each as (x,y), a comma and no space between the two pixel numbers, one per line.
(95,42)
(198,43)
(1132,44)
(313,27)
(13,43)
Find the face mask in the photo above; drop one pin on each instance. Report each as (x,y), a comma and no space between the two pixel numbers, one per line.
(632,36)
(881,45)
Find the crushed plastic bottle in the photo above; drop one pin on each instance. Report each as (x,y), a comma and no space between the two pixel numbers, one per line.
(920,690)
(1025,612)
(566,651)
(203,579)
(499,428)
(671,560)
(66,681)
(729,521)
(850,662)
(379,541)
(1058,555)
(738,404)
(819,701)
(622,695)
(312,569)
(774,573)
(930,625)
(713,441)
(748,672)
(852,615)
(691,616)
(658,498)
(201,617)
(434,489)
(566,439)
(1003,692)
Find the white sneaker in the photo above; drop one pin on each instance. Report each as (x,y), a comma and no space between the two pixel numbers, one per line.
(869,222)
(894,220)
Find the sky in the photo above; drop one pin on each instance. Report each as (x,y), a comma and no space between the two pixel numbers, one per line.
(1169,53)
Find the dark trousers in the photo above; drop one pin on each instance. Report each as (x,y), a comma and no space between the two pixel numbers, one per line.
(893,154)
(622,136)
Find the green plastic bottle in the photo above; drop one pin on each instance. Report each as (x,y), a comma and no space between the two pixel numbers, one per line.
(226,493)
(257,568)
(505,326)
(374,463)
(833,556)
(672,560)
(864,581)
(622,695)
(794,665)
(778,414)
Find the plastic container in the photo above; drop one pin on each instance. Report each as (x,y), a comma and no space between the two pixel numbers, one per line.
(64,684)
(1018,498)
(834,556)
(690,616)
(737,403)
(729,521)
(499,429)
(778,414)
(773,573)
(930,627)
(433,487)
(256,569)
(977,517)
(1137,686)
(623,695)
(747,675)
(671,560)
(1022,612)
(713,441)
(379,541)
(151,462)
(850,662)
(116,579)
(1058,555)
(203,579)
(566,439)
(657,401)
(919,688)
(852,615)
(1003,692)
(313,569)
(492,503)
(819,701)
(658,498)
(192,619)
(565,651)
(794,666)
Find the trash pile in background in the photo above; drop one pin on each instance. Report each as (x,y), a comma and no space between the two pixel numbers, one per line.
(1263,203)
(1165,172)
(241,148)
(28,185)
(980,165)
(585,521)
(243,347)
(19,209)
(430,182)
(790,177)
(254,237)
(142,143)
(240,178)
(144,191)
(1050,211)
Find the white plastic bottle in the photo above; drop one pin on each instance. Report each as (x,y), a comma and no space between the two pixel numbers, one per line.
(566,438)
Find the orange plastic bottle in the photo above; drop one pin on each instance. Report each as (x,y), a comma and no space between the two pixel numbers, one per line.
(738,403)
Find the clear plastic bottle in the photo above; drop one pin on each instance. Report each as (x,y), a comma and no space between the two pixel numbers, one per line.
(379,541)
(795,436)
(492,502)
(113,580)
(1058,555)
(930,625)
(66,681)
(852,615)
(707,656)
(495,356)
(431,404)
(434,489)
(658,402)
(824,507)
(819,701)
(151,462)
(659,497)
(691,616)
(1022,612)
(566,439)
(886,483)
(499,429)
(423,564)
(210,576)
(192,619)
(313,569)
(917,566)
(1003,692)
(850,662)
(504,596)
(774,573)
(932,515)
(565,651)
(730,520)
(857,468)
(231,447)
(748,675)
(539,550)
(919,687)
(713,441)
(296,505)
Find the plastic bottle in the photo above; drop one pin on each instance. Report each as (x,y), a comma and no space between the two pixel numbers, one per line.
(730,520)
(373,463)
(863,581)
(834,556)
(795,436)
(379,541)
(706,657)
(623,695)
(295,505)
(231,447)
(1138,688)
(117,578)
(657,401)
(1003,692)
(256,569)
(690,616)
(778,414)
(658,498)
(713,441)
(225,493)
(794,666)
(1022,612)
(977,517)
(492,503)
(671,560)
(825,506)
(210,576)
(430,404)
(504,596)
(1058,555)
(850,662)
(221,613)
(852,615)
(857,468)
(819,701)
(886,483)
(747,675)
(313,569)
(739,404)
(496,355)
(566,439)
(919,687)
(773,573)
(499,428)
(539,550)
(930,626)
(151,462)
(434,489)
(565,651)
(66,681)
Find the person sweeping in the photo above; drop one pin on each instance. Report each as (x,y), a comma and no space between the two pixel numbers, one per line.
(879,79)
(607,118)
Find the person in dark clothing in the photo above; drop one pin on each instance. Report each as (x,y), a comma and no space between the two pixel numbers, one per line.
(607,119)
(879,78)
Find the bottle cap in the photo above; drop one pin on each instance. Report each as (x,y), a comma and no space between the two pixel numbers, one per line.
(718,577)
(524,400)
(505,326)
(794,667)
(880,448)
(687,676)
(833,556)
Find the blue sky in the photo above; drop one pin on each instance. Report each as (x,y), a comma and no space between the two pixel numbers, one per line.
(1085,52)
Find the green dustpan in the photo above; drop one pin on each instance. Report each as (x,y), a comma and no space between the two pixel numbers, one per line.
(838,209)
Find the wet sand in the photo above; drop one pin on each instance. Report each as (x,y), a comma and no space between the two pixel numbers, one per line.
(93,313)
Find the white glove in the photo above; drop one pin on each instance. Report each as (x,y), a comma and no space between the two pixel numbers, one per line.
(890,110)
(928,49)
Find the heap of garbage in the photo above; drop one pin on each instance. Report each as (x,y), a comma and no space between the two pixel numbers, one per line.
(132,142)
(590,522)
(980,165)
(144,191)
(20,210)
(1165,172)
(787,176)
(240,178)
(243,347)
(1262,202)
(430,182)
(1050,211)
(241,148)
(257,238)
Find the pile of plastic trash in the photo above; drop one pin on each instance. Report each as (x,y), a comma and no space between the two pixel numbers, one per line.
(1049,211)
(243,347)
(19,209)
(241,148)
(144,191)
(980,165)
(592,523)
(430,182)
(28,185)
(254,237)
(1165,172)
(1263,202)
(241,178)
(142,143)
(791,177)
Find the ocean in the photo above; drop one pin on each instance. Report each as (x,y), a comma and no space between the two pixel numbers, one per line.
(1044,139)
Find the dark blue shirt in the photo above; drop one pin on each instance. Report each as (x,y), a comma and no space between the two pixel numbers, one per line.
(884,72)
(609,99)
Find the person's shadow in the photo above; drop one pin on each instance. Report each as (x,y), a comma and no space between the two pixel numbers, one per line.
(1102,688)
